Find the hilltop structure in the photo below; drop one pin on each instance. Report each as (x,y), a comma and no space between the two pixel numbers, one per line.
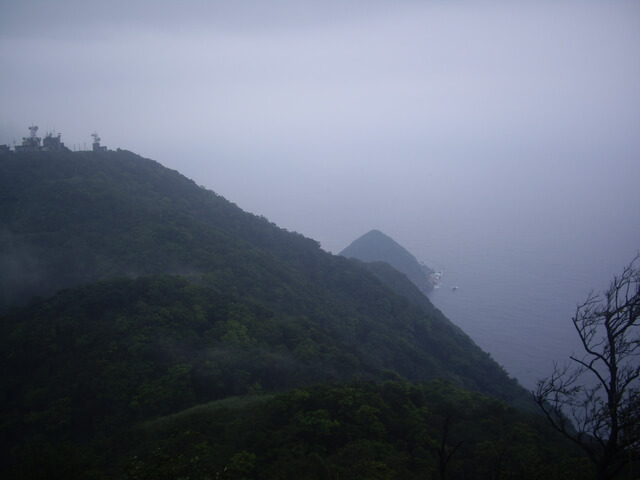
(96,143)
(50,143)
(30,143)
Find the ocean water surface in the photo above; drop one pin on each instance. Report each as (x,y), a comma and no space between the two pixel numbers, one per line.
(516,299)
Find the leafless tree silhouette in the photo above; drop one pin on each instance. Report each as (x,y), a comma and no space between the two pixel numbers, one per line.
(594,399)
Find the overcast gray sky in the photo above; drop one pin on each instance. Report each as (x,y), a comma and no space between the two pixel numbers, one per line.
(335,117)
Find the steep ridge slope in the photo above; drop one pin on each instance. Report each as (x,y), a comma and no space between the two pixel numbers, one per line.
(175,297)
(71,218)
(375,246)
(86,217)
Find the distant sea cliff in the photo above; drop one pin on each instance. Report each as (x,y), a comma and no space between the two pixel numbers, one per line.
(375,246)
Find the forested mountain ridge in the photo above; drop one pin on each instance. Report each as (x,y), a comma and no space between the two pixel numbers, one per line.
(85,217)
(71,218)
(173,297)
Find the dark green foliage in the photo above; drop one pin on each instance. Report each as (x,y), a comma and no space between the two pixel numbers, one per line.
(98,357)
(71,218)
(359,431)
(176,298)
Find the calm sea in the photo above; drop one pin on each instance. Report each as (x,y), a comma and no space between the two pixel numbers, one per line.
(516,300)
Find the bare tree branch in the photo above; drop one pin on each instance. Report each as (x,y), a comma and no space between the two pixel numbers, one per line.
(602,417)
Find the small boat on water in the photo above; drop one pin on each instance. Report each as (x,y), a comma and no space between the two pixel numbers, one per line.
(454,288)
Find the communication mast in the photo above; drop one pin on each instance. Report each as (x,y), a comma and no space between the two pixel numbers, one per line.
(30,143)
(33,131)
(96,143)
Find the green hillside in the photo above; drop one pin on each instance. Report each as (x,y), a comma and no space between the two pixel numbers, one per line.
(156,295)
(71,218)
(84,217)
(375,246)
(359,431)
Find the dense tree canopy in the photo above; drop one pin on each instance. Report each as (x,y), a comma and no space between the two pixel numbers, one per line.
(359,430)
(161,302)
(76,218)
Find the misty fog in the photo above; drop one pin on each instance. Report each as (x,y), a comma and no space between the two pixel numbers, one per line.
(505,131)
